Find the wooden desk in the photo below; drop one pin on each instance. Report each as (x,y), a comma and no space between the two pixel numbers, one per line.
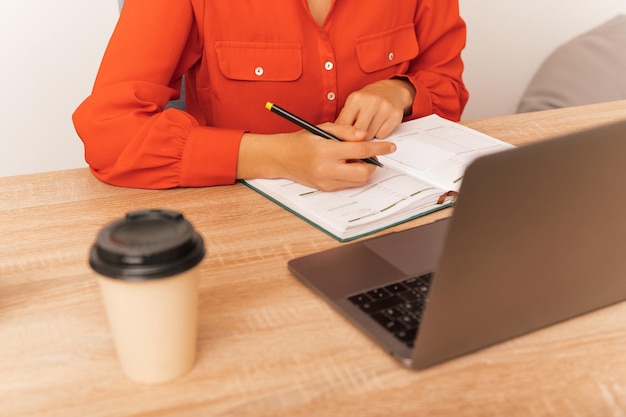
(267,345)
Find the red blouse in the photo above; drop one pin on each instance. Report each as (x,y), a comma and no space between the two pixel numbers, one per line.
(237,55)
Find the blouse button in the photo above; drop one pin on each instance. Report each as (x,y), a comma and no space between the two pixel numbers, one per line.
(328,65)
(258,71)
(330,96)
(390,56)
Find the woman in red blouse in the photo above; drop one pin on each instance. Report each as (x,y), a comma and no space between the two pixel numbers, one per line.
(357,68)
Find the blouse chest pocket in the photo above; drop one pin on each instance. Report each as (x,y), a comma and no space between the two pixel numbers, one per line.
(252,61)
(383,50)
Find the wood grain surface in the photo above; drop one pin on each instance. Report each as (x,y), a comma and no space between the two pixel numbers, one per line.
(267,345)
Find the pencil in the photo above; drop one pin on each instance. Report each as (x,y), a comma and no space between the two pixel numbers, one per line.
(310,127)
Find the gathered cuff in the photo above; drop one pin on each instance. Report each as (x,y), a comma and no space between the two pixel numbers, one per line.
(210,157)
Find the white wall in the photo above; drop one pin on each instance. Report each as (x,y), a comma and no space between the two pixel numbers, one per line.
(507,41)
(50,51)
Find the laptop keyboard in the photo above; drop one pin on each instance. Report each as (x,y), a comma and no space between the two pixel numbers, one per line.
(397,307)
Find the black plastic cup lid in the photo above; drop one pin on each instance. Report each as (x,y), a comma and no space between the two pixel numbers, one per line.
(146,244)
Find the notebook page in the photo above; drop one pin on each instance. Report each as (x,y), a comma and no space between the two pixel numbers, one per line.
(439,150)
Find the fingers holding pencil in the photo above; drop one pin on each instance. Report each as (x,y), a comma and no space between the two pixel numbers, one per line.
(360,147)
(316,130)
(328,165)
(310,160)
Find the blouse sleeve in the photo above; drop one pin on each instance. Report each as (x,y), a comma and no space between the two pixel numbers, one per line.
(129,139)
(436,73)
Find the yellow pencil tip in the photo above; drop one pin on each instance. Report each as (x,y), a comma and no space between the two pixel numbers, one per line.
(269,105)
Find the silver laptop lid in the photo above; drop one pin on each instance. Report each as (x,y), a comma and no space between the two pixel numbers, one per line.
(538,235)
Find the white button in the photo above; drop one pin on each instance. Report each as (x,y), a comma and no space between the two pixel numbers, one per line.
(330,96)
(328,65)
(258,71)
(390,56)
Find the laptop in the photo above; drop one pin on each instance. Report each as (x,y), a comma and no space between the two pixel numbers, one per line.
(537,236)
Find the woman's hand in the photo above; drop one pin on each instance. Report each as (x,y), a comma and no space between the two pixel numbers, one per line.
(310,160)
(378,108)
(374,111)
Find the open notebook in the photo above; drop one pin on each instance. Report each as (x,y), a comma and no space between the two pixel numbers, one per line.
(422,176)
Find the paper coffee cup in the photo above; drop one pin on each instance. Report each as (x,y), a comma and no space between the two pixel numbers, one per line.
(148,275)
